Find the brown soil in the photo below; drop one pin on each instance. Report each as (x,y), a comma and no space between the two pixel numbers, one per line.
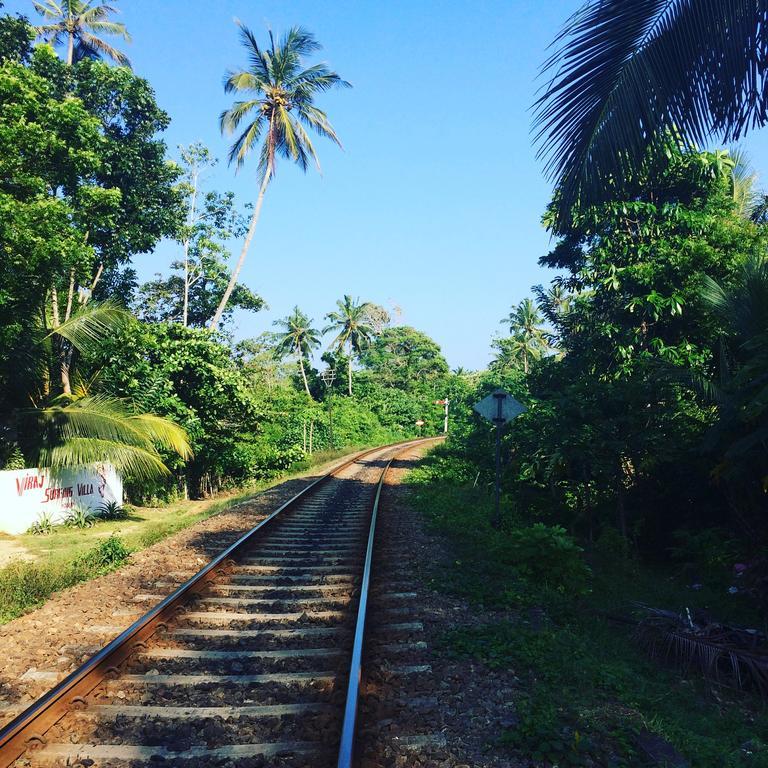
(11,550)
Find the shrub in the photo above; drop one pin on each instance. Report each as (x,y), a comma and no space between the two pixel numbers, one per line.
(111,510)
(705,550)
(550,556)
(107,556)
(543,733)
(25,585)
(79,517)
(42,526)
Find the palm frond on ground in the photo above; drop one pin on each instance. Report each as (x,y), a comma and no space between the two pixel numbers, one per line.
(728,655)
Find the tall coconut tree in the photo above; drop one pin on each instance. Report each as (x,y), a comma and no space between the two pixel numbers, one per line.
(351,324)
(80,24)
(627,73)
(274,114)
(297,338)
(529,338)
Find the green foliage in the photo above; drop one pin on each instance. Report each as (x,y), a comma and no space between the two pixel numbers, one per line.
(545,732)
(402,356)
(549,556)
(191,294)
(43,526)
(111,510)
(623,76)
(352,325)
(616,423)
(584,689)
(15,38)
(79,517)
(25,585)
(524,562)
(527,341)
(105,557)
(75,23)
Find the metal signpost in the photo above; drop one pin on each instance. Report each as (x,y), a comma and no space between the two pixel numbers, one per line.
(499,408)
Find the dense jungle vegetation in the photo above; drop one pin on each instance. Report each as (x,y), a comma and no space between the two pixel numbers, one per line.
(634,485)
(633,506)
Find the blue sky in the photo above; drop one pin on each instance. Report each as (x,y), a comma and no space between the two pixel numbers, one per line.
(434,205)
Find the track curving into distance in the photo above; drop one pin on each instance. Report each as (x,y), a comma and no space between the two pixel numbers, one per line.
(247,664)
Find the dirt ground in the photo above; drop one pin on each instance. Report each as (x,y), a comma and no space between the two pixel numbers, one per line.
(11,550)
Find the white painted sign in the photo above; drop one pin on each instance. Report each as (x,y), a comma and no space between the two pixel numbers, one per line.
(25,494)
(499,407)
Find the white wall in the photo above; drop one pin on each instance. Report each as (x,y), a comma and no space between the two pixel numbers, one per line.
(26,493)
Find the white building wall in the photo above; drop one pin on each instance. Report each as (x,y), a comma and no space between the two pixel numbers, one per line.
(27,493)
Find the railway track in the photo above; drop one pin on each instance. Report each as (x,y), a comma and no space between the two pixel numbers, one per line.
(255,661)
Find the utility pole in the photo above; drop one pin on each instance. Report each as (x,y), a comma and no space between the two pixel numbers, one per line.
(328,376)
(499,421)
(444,402)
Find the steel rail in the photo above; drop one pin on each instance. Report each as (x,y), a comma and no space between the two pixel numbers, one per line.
(32,724)
(349,726)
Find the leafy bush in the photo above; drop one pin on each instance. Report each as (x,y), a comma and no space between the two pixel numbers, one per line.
(709,548)
(543,733)
(111,510)
(79,517)
(42,526)
(27,584)
(549,555)
(107,556)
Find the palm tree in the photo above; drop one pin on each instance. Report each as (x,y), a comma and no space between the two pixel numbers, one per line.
(85,428)
(79,22)
(69,425)
(352,328)
(279,102)
(626,73)
(298,338)
(529,339)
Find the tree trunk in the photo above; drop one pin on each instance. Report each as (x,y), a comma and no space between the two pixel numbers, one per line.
(64,357)
(525,361)
(55,319)
(70,49)
(95,282)
(190,224)
(349,373)
(304,376)
(70,295)
(246,245)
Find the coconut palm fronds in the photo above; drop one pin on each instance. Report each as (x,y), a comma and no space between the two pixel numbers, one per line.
(727,655)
